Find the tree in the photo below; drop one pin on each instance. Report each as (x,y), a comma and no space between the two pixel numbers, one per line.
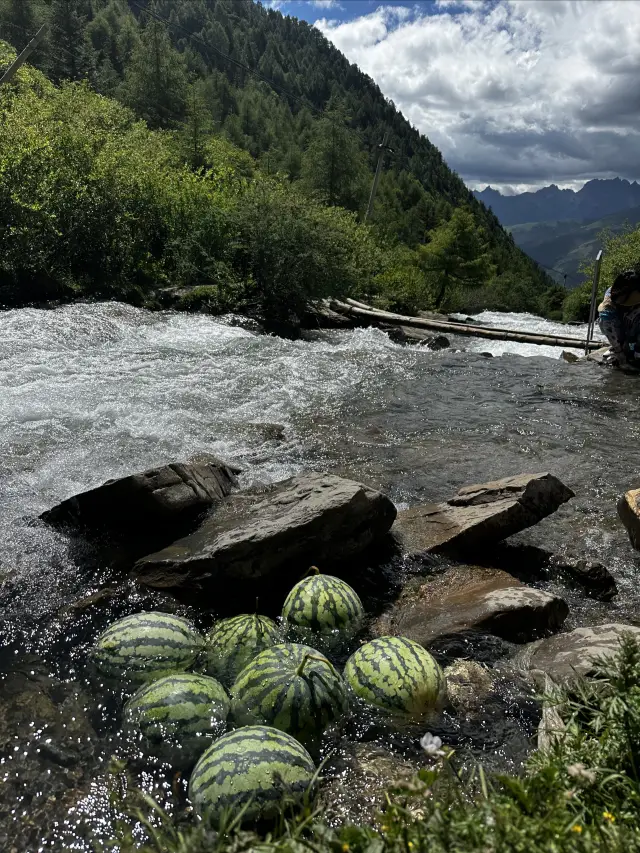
(20,21)
(198,126)
(70,56)
(155,83)
(333,167)
(456,253)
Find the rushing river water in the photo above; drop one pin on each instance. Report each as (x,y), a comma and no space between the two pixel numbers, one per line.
(91,392)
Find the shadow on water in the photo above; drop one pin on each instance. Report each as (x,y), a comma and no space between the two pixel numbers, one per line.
(91,392)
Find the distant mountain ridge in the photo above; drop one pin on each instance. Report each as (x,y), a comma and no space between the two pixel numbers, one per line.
(561,247)
(596,199)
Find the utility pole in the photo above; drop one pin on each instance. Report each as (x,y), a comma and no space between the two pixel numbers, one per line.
(383,148)
(9,74)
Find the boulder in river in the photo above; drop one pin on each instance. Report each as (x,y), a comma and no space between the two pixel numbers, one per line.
(155,506)
(272,535)
(629,512)
(464,598)
(480,515)
(565,657)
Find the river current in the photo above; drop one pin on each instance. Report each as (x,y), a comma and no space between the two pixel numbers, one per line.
(92,392)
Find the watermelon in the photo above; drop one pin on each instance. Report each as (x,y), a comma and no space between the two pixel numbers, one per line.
(324,604)
(396,674)
(259,769)
(233,643)
(178,716)
(145,646)
(293,688)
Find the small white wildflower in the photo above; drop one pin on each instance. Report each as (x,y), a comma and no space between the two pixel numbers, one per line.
(582,773)
(432,745)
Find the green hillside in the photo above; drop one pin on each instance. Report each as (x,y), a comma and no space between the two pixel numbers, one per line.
(246,78)
(563,247)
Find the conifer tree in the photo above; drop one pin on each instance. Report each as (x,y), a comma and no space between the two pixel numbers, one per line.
(155,83)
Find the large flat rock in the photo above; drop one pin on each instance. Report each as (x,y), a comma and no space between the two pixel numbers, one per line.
(474,598)
(565,657)
(274,533)
(155,505)
(480,515)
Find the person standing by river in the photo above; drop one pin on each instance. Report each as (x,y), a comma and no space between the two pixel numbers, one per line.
(619,318)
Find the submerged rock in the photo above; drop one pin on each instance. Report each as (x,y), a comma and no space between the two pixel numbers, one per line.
(357,778)
(405,334)
(466,598)
(595,578)
(469,684)
(480,515)
(49,751)
(565,657)
(437,342)
(273,534)
(156,505)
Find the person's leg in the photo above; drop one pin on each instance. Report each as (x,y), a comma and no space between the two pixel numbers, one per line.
(611,327)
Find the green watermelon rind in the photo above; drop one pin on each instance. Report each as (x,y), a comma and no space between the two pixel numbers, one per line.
(146,646)
(233,643)
(257,769)
(324,604)
(185,710)
(396,674)
(269,692)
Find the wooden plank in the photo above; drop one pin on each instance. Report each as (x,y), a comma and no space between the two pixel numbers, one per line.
(354,309)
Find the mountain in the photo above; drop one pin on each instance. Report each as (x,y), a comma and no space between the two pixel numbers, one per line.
(596,199)
(277,88)
(562,246)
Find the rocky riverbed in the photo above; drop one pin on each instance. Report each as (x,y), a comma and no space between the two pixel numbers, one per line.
(92,393)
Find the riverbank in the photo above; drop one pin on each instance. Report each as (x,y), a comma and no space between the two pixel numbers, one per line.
(92,392)
(578,796)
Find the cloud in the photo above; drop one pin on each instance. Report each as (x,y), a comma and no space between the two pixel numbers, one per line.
(326,4)
(513,92)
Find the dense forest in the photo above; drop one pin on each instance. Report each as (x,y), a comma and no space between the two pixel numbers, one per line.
(219,147)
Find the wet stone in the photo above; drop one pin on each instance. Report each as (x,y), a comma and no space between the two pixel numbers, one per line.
(480,515)
(565,657)
(464,598)
(271,535)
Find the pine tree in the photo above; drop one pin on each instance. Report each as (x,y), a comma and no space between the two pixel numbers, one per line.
(333,167)
(20,20)
(198,125)
(70,56)
(155,82)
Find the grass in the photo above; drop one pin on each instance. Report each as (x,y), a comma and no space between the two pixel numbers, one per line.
(582,794)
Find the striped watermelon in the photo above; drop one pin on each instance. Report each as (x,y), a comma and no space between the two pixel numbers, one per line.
(396,674)
(145,646)
(259,768)
(233,643)
(178,716)
(323,603)
(292,687)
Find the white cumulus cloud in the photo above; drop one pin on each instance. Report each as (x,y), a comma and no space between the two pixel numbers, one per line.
(515,93)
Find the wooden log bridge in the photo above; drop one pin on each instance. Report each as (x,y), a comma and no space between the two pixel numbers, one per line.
(365,312)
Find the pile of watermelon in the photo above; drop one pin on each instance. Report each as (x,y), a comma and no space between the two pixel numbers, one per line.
(246,705)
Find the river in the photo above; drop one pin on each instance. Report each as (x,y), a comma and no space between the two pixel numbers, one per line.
(91,392)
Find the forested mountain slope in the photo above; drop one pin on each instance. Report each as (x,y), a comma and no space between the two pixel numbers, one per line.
(563,247)
(197,68)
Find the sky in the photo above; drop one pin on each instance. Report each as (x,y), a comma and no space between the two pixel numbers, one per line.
(517,94)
